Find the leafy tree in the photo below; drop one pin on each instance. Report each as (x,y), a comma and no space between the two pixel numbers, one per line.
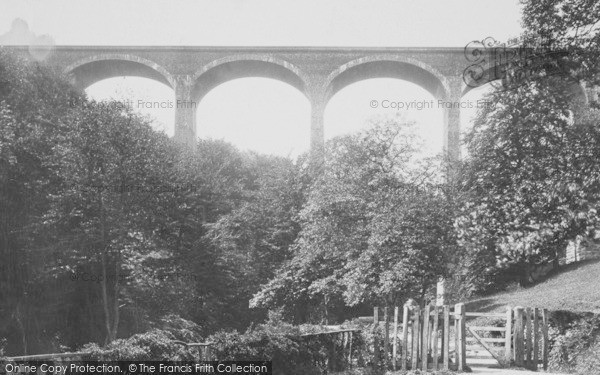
(530,179)
(111,164)
(255,238)
(570,26)
(32,100)
(104,221)
(366,235)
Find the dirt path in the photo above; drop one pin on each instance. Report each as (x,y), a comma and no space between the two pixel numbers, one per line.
(501,371)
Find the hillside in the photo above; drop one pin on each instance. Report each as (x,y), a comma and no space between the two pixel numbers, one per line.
(575,287)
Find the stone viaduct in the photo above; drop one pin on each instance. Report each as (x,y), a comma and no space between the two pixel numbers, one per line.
(318,72)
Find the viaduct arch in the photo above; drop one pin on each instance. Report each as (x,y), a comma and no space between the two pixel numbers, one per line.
(89,70)
(407,69)
(377,66)
(233,67)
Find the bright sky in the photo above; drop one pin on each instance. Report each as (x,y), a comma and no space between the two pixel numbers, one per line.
(259,113)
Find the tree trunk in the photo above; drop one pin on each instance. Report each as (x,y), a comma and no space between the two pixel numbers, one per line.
(111,323)
(115,323)
(325,310)
(107,324)
(17,316)
(525,274)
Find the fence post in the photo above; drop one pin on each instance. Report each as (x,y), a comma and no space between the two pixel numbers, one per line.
(446,344)
(332,363)
(528,337)
(456,351)
(425,341)
(415,338)
(375,337)
(462,331)
(536,339)
(405,336)
(386,337)
(343,356)
(434,337)
(350,350)
(395,342)
(545,338)
(519,336)
(508,338)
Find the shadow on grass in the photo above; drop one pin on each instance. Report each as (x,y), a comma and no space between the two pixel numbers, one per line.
(566,268)
(483,305)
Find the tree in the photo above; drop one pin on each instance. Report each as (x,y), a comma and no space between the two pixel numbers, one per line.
(370,230)
(255,238)
(32,101)
(531,180)
(111,165)
(571,26)
(103,218)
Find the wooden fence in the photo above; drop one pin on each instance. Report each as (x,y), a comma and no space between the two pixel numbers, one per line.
(204,350)
(445,337)
(55,358)
(531,337)
(58,357)
(340,356)
(431,338)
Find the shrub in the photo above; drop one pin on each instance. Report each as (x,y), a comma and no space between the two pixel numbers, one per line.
(574,343)
(181,329)
(274,341)
(153,345)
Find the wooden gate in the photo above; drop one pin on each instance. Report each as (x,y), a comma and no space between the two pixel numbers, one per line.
(520,339)
(489,342)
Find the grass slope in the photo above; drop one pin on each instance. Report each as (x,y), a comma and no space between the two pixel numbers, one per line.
(575,287)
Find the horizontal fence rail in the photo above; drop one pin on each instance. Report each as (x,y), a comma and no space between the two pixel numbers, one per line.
(204,353)
(204,350)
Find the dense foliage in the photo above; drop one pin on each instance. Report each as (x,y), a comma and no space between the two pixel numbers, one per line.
(376,228)
(107,226)
(575,343)
(531,179)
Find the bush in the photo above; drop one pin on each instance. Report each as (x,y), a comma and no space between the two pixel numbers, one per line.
(181,329)
(274,341)
(574,343)
(156,344)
